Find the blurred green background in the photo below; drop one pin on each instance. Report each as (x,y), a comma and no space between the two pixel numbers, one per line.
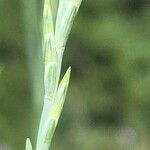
(108,102)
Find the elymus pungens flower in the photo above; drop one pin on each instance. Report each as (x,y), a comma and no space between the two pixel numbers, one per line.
(58,17)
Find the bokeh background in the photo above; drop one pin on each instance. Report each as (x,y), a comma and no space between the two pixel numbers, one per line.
(108,101)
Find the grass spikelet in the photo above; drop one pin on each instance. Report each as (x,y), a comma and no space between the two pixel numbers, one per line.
(58,17)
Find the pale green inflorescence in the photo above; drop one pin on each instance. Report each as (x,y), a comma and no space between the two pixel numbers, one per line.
(58,18)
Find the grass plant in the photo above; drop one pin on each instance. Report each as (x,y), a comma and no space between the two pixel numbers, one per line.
(58,18)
